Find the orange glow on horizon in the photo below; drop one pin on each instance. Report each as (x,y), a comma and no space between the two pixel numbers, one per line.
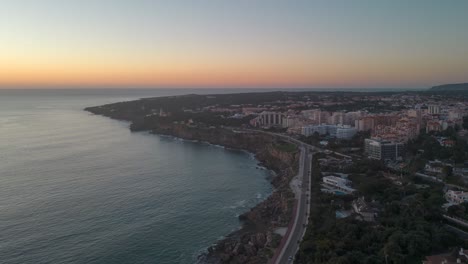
(189,70)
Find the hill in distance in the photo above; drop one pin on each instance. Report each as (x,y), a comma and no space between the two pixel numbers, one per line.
(450,87)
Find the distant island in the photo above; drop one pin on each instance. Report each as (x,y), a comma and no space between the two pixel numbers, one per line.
(450,87)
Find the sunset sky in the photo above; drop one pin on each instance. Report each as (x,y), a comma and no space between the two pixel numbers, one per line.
(233,43)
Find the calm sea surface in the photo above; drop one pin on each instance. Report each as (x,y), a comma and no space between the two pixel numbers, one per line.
(80,188)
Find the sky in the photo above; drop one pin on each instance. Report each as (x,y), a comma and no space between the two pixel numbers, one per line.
(233,43)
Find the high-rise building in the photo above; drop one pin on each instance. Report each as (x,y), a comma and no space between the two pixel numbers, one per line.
(268,119)
(310,130)
(337,118)
(384,150)
(364,123)
(370,122)
(324,118)
(345,132)
(417,114)
(433,109)
(313,114)
(351,117)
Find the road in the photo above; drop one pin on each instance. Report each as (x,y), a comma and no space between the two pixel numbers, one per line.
(460,233)
(300,218)
(287,250)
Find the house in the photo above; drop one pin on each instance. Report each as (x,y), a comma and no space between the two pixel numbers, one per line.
(337,185)
(364,209)
(460,172)
(456,197)
(435,167)
(448,143)
(453,257)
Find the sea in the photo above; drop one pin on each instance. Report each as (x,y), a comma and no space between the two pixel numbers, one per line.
(81,188)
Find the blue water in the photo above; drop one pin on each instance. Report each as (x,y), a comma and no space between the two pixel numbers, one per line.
(80,188)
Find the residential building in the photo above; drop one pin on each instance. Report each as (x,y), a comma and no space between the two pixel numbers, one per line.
(456,197)
(457,256)
(324,117)
(269,119)
(364,210)
(433,109)
(335,183)
(433,126)
(351,117)
(337,118)
(345,132)
(313,115)
(435,167)
(415,113)
(338,131)
(364,124)
(311,129)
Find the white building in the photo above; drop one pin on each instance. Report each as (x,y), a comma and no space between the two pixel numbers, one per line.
(435,166)
(345,132)
(340,131)
(310,130)
(337,183)
(456,197)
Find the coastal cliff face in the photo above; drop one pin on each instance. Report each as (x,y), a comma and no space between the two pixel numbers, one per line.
(255,242)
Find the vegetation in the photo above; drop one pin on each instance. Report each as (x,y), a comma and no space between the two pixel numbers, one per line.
(465,122)
(460,211)
(432,149)
(285,146)
(409,225)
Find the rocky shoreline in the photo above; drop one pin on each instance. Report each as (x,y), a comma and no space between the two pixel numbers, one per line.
(255,241)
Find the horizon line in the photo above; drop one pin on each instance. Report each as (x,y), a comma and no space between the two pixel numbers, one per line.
(200,88)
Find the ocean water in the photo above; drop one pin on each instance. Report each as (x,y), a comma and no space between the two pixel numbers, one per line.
(80,188)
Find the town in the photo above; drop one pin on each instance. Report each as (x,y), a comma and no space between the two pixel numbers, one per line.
(390,132)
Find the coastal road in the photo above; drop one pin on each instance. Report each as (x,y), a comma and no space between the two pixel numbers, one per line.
(300,218)
(290,242)
(289,246)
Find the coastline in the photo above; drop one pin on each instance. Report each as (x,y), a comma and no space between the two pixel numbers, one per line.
(255,241)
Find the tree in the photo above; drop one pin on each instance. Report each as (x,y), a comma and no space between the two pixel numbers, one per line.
(457,211)
(465,122)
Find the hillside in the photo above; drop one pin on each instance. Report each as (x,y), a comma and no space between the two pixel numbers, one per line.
(450,87)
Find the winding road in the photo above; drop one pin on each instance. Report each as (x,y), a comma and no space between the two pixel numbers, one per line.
(290,243)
